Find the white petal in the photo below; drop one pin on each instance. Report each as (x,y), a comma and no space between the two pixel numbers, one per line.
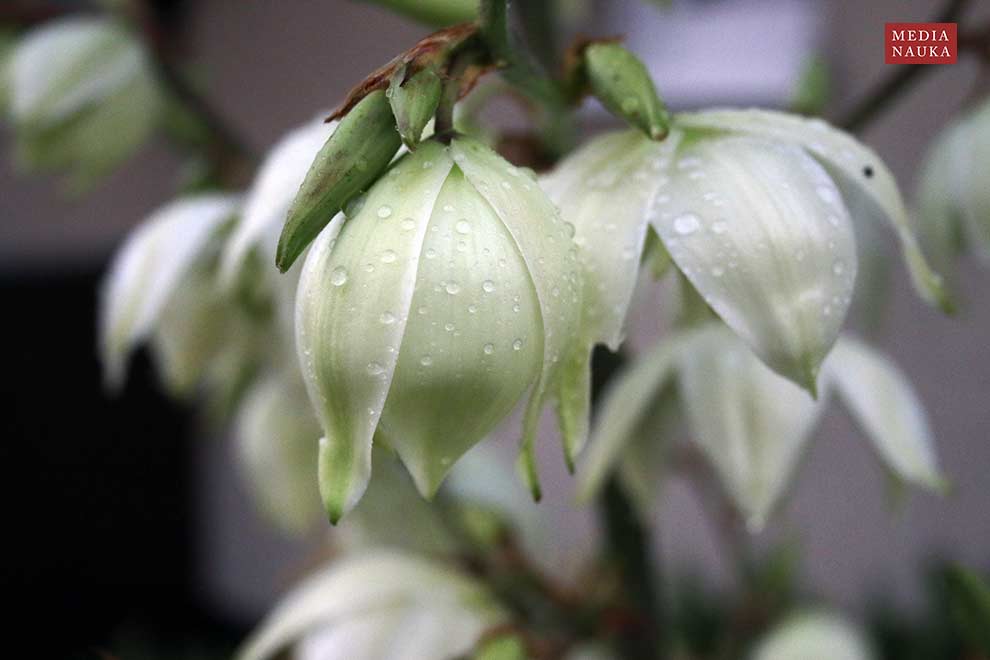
(377,582)
(813,635)
(63,65)
(857,169)
(625,405)
(271,193)
(882,400)
(277,435)
(147,270)
(544,241)
(751,423)
(761,232)
(341,302)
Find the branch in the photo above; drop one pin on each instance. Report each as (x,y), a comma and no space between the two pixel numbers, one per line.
(883,95)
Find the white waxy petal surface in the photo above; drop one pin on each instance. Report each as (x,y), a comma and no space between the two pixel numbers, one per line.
(750,423)
(349,283)
(147,270)
(761,232)
(886,407)
(813,635)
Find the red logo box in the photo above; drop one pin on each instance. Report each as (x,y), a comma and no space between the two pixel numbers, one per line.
(920,43)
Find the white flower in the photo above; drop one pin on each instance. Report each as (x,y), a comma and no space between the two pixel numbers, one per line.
(752,208)
(813,635)
(379,605)
(423,319)
(752,424)
(159,287)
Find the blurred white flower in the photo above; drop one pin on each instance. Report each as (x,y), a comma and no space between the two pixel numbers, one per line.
(422,321)
(954,196)
(813,635)
(81,96)
(378,605)
(752,208)
(752,424)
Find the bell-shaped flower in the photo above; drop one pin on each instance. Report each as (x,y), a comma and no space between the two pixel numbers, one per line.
(954,196)
(276,431)
(422,320)
(752,207)
(160,287)
(379,604)
(752,424)
(813,634)
(82,96)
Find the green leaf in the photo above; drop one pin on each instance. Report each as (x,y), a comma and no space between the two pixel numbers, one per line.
(621,82)
(413,103)
(352,159)
(435,13)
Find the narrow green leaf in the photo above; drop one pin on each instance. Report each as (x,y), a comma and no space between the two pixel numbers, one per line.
(623,85)
(351,160)
(413,104)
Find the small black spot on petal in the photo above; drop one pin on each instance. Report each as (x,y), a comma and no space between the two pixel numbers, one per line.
(868,172)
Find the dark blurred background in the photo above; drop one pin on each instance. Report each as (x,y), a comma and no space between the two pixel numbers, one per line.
(126,521)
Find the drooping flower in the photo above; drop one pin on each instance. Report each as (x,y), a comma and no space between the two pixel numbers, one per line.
(82,96)
(423,319)
(752,424)
(379,604)
(813,634)
(954,196)
(161,288)
(752,208)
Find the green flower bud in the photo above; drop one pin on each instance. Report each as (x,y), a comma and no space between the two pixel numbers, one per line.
(752,424)
(356,154)
(364,606)
(424,318)
(621,82)
(954,198)
(413,103)
(81,96)
(752,208)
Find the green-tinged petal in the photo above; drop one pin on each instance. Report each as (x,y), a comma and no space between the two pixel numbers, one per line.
(62,66)
(353,158)
(760,230)
(544,243)
(354,300)
(439,611)
(750,423)
(813,635)
(857,169)
(276,435)
(627,402)
(271,193)
(473,342)
(882,400)
(148,269)
(604,192)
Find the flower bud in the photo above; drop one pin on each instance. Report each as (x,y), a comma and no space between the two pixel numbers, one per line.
(81,96)
(423,319)
(621,82)
(356,154)
(413,103)
(813,635)
(954,198)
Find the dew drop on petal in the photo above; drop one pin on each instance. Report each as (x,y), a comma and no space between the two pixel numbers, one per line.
(384,211)
(388,256)
(489,349)
(387,318)
(339,276)
(488,286)
(453,288)
(408,224)
(375,369)
(463,226)
(517,345)
(720,226)
(426,360)
(686,224)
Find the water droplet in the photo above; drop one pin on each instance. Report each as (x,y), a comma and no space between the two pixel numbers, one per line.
(720,226)
(426,360)
(517,345)
(489,349)
(427,164)
(463,226)
(387,318)
(422,311)
(453,288)
(338,276)
(388,256)
(569,228)
(516,308)
(449,327)
(430,253)
(488,286)
(472,309)
(408,224)
(686,224)
(384,211)
(375,369)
